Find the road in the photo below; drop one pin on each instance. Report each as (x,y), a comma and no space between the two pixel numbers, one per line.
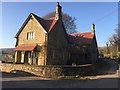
(100,81)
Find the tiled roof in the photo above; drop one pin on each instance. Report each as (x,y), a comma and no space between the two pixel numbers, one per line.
(52,25)
(30,47)
(85,37)
(52,18)
(47,24)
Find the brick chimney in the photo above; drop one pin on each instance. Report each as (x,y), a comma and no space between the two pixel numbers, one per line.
(93,28)
(58,11)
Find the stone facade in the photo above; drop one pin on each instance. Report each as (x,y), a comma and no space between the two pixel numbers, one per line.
(32,26)
(57,46)
(83,48)
(49,44)
(50,39)
(39,39)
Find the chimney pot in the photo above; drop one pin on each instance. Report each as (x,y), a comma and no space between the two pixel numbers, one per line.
(93,28)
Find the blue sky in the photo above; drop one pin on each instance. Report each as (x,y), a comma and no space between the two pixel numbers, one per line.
(103,14)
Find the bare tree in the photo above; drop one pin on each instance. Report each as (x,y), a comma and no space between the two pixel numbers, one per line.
(108,48)
(114,42)
(68,21)
(115,39)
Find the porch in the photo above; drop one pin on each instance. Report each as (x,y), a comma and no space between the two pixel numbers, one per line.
(26,54)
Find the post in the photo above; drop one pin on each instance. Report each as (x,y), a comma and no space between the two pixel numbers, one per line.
(32,57)
(15,57)
(22,55)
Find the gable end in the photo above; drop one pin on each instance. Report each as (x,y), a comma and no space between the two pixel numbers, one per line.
(26,21)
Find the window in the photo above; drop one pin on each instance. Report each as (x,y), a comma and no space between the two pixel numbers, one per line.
(30,35)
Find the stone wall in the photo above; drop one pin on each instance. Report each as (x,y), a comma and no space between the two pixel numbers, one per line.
(48,71)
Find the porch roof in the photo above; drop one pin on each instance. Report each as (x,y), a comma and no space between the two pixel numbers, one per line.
(30,47)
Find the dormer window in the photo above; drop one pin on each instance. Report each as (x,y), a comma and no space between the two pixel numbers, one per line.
(30,35)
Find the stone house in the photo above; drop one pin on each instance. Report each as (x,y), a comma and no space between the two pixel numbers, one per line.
(45,42)
(42,42)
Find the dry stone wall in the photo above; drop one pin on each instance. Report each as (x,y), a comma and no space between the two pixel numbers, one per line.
(48,71)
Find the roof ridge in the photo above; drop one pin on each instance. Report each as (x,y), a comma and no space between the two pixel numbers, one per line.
(52,18)
(52,25)
(85,32)
(36,16)
(79,33)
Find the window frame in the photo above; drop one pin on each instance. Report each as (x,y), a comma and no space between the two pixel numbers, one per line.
(30,35)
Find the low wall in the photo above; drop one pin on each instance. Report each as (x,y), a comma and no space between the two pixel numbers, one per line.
(48,71)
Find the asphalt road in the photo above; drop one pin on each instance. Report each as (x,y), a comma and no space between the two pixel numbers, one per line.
(101,81)
(35,82)
(98,83)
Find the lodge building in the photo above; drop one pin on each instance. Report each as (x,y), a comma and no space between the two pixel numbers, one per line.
(45,42)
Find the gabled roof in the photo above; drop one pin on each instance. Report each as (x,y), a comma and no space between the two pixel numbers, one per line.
(80,38)
(50,22)
(47,24)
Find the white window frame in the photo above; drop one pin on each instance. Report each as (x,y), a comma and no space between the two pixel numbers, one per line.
(30,35)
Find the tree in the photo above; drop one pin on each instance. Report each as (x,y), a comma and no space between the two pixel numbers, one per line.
(108,48)
(115,38)
(114,41)
(68,21)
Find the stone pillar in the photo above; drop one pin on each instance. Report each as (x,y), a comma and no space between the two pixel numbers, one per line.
(22,56)
(15,57)
(30,58)
(40,59)
(39,62)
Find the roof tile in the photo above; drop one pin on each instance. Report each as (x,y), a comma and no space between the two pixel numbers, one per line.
(48,23)
(25,47)
(85,37)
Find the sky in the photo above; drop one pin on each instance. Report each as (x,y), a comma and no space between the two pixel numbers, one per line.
(103,14)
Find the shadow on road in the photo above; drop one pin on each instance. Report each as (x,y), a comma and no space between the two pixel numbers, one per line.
(16,74)
(97,83)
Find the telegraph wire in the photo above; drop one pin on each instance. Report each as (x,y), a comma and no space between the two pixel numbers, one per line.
(100,19)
